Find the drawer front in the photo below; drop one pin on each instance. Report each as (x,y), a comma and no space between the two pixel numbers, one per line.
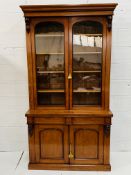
(49,120)
(87,120)
(72,120)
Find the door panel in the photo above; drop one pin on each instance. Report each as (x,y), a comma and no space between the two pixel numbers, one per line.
(86,61)
(81,150)
(86,144)
(51,62)
(49,39)
(55,145)
(51,143)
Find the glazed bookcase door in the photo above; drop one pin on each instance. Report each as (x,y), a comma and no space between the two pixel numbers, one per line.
(86,62)
(51,143)
(51,63)
(86,144)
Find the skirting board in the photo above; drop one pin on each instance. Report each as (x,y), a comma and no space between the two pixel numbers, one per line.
(38,166)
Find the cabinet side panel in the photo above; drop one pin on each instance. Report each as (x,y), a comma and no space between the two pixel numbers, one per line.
(30,75)
(107,144)
(104,63)
(31,140)
(108,64)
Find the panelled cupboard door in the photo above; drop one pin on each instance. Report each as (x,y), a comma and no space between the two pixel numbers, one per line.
(86,144)
(51,143)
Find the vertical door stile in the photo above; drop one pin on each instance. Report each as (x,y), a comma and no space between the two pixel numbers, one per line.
(104,63)
(66,52)
(69,140)
(108,65)
(71,145)
(34,94)
(70,61)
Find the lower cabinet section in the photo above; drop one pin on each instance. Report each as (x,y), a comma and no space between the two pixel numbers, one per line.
(69,146)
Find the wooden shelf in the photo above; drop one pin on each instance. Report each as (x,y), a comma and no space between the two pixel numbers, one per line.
(50,72)
(58,35)
(62,90)
(53,53)
(47,35)
(79,71)
(89,34)
(86,90)
(87,53)
(59,72)
(51,91)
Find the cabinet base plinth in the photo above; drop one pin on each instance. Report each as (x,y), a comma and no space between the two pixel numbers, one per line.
(38,166)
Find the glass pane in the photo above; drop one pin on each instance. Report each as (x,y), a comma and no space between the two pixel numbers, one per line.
(87,61)
(49,39)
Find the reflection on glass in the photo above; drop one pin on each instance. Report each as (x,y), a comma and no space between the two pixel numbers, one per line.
(87,81)
(51,98)
(87,57)
(49,39)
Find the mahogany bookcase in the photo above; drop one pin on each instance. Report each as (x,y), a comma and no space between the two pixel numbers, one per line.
(69,57)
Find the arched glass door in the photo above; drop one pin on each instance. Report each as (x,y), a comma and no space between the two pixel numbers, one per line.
(50,63)
(87,63)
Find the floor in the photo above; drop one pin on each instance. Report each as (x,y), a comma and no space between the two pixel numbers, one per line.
(15,163)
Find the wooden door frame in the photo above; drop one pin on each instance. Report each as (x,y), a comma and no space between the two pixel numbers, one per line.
(34,22)
(103,21)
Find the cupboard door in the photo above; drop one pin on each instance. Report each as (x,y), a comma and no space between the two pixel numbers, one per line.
(51,62)
(86,144)
(86,58)
(51,143)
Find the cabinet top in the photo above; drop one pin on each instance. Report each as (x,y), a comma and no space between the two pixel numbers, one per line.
(68,10)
